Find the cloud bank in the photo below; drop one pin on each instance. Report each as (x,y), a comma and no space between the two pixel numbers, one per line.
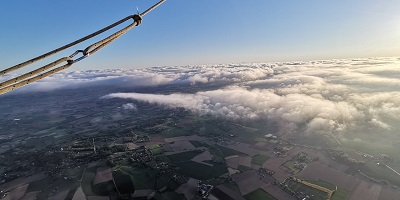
(328,96)
(323,96)
(149,76)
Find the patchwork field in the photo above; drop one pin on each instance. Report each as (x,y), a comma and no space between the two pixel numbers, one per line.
(275,164)
(234,162)
(299,187)
(259,159)
(189,189)
(181,145)
(205,156)
(246,149)
(60,195)
(123,182)
(388,193)
(30,196)
(184,156)
(366,190)
(17,193)
(356,187)
(277,192)
(103,174)
(201,171)
(142,179)
(79,195)
(248,181)
(258,195)
(317,171)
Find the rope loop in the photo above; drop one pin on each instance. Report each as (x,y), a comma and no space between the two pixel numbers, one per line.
(137,19)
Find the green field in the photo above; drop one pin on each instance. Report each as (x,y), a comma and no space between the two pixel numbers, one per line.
(163,181)
(259,159)
(184,156)
(299,187)
(171,195)
(217,154)
(70,194)
(48,185)
(380,173)
(198,144)
(233,186)
(249,134)
(143,179)
(123,181)
(243,168)
(175,132)
(155,149)
(162,158)
(87,181)
(290,165)
(373,142)
(173,185)
(228,151)
(215,181)
(201,171)
(100,189)
(152,146)
(340,194)
(259,194)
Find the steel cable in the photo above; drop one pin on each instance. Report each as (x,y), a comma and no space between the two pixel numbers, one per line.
(28,78)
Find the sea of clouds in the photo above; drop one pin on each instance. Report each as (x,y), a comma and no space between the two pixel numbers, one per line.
(322,96)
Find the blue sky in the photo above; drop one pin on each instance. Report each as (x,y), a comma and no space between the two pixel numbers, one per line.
(189,32)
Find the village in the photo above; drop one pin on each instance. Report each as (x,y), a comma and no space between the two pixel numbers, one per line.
(186,167)
(106,152)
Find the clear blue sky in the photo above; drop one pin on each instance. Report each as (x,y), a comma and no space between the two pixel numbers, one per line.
(190,32)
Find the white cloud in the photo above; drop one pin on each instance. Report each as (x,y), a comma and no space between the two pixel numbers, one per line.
(149,77)
(322,96)
(325,96)
(241,103)
(129,106)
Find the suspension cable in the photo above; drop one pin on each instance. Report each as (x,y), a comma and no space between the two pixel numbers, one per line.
(30,77)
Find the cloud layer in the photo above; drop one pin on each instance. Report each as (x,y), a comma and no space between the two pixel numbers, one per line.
(329,96)
(149,76)
(321,96)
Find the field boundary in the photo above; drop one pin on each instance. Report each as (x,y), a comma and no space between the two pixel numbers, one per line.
(317,187)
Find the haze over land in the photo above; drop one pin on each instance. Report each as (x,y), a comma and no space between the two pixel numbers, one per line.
(342,115)
(330,96)
(259,125)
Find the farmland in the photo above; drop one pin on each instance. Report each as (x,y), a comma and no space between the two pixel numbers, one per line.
(142,179)
(259,194)
(184,156)
(299,187)
(192,169)
(123,181)
(228,152)
(340,194)
(97,148)
(259,159)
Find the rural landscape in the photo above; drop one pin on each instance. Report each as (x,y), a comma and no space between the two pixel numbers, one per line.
(199,100)
(155,142)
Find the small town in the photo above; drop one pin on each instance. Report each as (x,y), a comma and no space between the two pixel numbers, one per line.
(151,166)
